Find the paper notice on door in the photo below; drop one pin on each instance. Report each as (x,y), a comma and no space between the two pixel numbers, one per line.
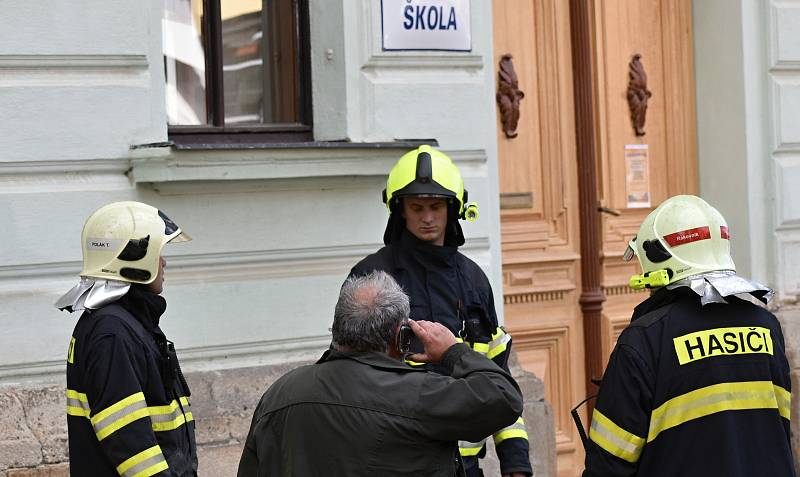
(637,176)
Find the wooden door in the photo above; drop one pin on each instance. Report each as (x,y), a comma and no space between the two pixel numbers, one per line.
(538,175)
(659,32)
(539,208)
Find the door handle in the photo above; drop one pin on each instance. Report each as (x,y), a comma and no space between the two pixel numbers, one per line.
(609,210)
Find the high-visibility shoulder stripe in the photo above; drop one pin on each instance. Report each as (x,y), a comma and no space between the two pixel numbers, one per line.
(171,416)
(77,404)
(414,363)
(144,464)
(716,398)
(118,406)
(516,430)
(481,348)
(784,399)
(614,439)
(499,343)
(119,415)
(469,449)
(72,394)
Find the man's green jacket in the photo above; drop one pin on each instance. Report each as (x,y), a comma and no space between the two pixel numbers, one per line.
(353,414)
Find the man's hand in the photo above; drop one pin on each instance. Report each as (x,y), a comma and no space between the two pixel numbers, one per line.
(435,338)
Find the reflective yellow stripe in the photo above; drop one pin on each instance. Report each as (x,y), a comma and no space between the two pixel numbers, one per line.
(170,416)
(118,415)
(712,399)
(163,418)
(499,343)
(481,348)
(469,449)
(77,404)
(784,399)
(71,351)
(414,363)
(614,439)
(144,464)
(516,430)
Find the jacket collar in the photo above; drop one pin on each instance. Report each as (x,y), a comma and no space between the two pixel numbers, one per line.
(410,249)
(370,358)
(659,298)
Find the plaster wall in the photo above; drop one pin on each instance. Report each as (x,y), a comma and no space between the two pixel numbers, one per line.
(748,106)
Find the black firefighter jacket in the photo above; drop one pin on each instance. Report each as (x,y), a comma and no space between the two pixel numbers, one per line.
(367,414)
(694,391)
(445,286)
(128,411)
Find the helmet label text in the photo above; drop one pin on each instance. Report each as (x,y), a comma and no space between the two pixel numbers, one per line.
(105,244)
(688,236)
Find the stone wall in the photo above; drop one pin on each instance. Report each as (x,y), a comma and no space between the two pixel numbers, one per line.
(34,433)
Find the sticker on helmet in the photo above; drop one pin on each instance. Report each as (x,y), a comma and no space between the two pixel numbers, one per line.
(688,236)
(103,244)
(723,231)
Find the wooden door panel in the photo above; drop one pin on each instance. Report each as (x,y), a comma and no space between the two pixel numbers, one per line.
(539,214)
(659,31)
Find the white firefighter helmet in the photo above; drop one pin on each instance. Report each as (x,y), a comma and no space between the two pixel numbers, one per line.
(123,241)
(683,236)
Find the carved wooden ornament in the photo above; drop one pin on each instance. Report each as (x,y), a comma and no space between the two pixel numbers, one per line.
(638,94)
(508,96)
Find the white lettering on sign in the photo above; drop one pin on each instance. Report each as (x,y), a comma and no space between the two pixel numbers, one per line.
(426,25)
(103,244)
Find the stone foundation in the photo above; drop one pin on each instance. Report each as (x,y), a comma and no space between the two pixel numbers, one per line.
(33,430)
(789,316)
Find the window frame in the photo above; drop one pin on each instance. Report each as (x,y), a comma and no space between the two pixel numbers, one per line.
(216,132)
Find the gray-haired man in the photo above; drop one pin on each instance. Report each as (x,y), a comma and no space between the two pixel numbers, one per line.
(360,410)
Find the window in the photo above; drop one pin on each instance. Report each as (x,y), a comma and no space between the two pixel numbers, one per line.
(237,70)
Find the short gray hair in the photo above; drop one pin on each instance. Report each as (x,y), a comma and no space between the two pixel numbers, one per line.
(369,310)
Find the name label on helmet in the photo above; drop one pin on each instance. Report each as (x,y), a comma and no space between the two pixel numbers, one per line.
(103,244)
(722,342)
(688,236)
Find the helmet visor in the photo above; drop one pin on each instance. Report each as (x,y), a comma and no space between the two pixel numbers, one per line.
(630,252)
(172,230)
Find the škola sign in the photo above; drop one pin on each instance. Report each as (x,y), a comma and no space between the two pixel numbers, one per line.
(426,25)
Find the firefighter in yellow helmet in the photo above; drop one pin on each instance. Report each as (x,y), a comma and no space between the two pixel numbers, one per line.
(128,410)
(698,383)
(425,197)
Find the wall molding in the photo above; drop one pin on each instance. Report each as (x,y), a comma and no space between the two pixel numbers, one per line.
(226,266)
(202,358)
(74,70)
(292,163)
(64,175)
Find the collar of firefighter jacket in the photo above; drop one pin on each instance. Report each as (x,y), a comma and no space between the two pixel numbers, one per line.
(370,358)
(661,297)
(145,305)
(426,254)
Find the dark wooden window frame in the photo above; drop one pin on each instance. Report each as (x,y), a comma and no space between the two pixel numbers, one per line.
(216,133)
